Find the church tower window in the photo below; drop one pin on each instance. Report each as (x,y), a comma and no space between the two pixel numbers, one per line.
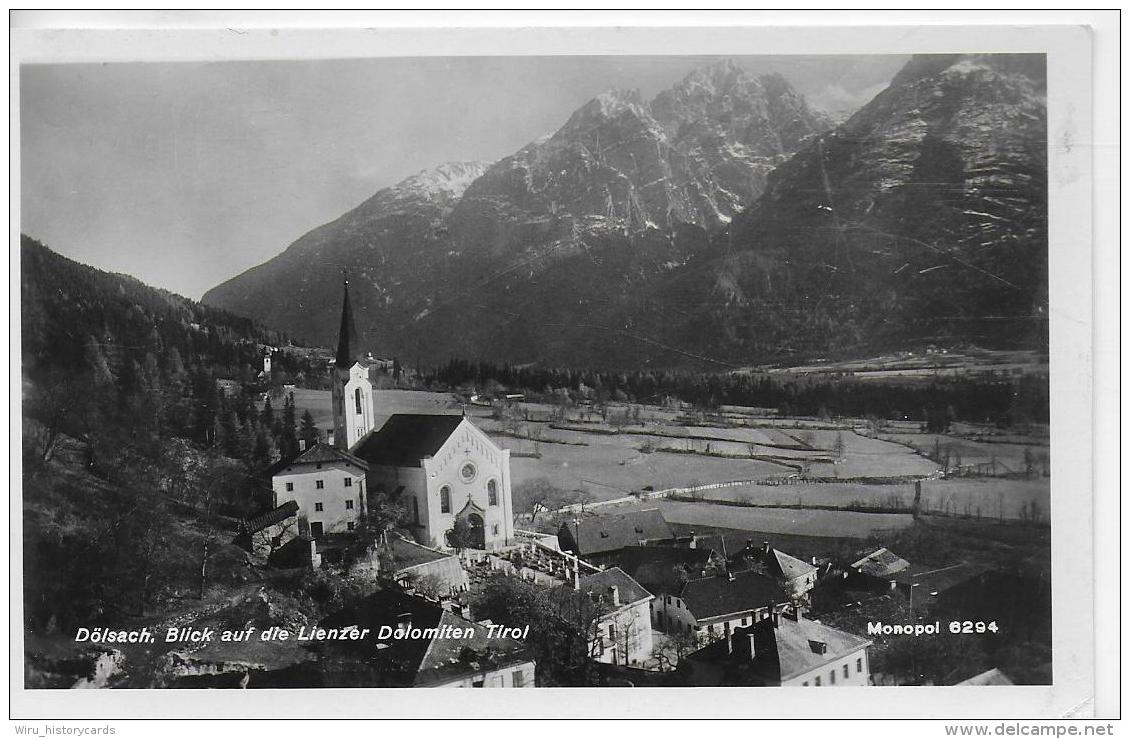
(357,400)
(445,499)
(492,492)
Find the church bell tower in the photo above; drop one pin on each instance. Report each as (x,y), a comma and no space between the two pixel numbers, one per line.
(352,392)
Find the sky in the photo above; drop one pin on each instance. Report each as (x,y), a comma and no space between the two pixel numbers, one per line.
(186,174)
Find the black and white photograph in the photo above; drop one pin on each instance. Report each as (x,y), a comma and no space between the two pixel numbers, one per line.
(530,370)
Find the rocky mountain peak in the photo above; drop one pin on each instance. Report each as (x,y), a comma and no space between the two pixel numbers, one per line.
(603,108)
(450,178)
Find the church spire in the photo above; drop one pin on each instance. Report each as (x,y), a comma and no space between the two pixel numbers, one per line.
(347,344)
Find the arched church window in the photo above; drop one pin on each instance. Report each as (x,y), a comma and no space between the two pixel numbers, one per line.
(492,492)
(445,499)
(357,399)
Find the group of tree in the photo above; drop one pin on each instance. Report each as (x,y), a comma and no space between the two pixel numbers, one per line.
(937,402)
(124,379)
(565,626)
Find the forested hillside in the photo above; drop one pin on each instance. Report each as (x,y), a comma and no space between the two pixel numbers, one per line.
(135,461)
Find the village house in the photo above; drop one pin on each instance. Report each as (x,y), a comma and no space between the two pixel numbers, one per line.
(883,570)
(713,607)
(598,539)
(327,485)
(268,532)
(876,570)
(413,642)
(781,650)
(663,571)
(795,576)
(623,631)
(413,565)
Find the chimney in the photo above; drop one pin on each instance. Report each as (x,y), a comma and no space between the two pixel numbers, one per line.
(615,596)
(765,547)
(301,445)
(814,560)
(776,618)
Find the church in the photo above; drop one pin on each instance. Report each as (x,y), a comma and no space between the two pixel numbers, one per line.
(442,467)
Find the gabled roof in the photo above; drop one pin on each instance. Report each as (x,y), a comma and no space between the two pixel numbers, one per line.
(601,584)
(319,453)
(777,562)
(406,438)
(803,645)
(406,554)
(270,518)
(658,569)
(614,531)
(718,595)
(432,657)
(989,677)
(880,563)
(788,566)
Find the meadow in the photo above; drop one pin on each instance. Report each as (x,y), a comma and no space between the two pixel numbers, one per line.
(598,459)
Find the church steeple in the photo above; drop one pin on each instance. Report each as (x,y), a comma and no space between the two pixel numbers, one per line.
(352,393)
(347,344)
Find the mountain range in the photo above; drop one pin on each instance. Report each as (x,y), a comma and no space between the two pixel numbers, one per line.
(722,223)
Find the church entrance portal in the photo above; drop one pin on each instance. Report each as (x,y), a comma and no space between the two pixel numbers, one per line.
(469,530)
(478,531)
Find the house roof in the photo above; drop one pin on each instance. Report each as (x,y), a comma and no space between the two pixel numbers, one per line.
(270,518)
(718,595)
(318,453)
(610,532)
(798,645)
(789,566)
(880,563)
(989,677)
(663,569)
(433,656)
(601,584)
(406,438)
(777,562)
(406,554)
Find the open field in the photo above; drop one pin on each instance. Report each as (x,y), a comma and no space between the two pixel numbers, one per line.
(994,498)
(605,466)
(1009,455)
(866,457)
(843,524)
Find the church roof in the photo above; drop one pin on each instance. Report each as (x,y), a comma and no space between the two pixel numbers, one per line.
(406,438)
(347,343)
